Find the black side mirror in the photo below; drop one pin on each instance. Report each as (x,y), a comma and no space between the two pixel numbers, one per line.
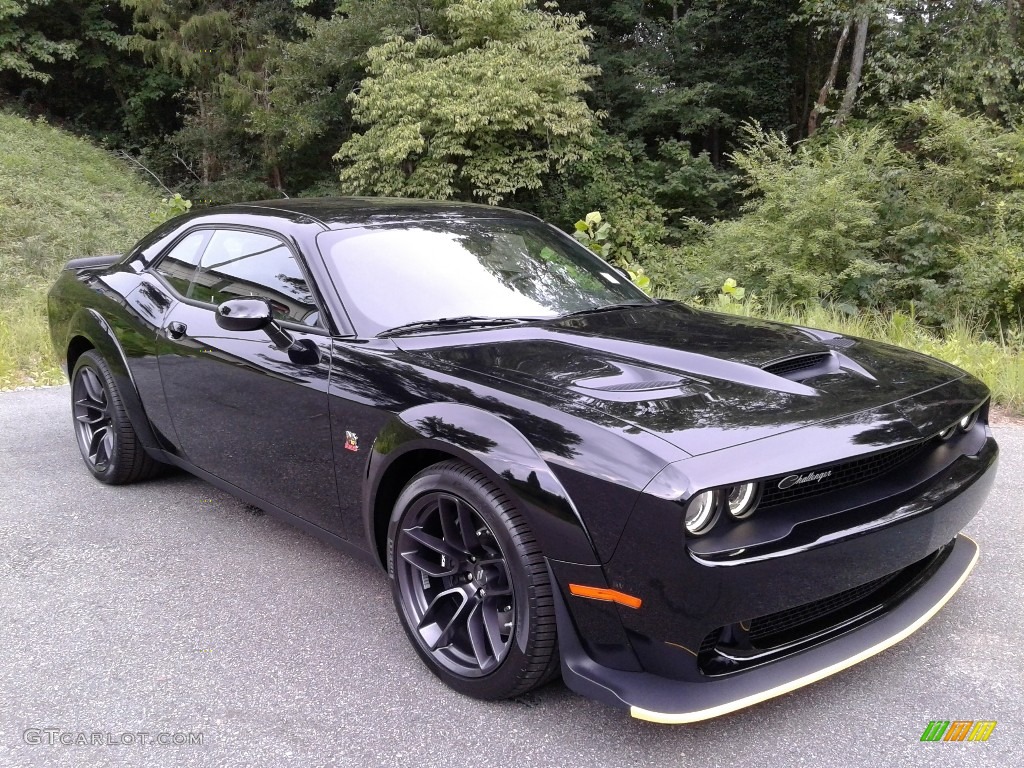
(244,315)
(257,315)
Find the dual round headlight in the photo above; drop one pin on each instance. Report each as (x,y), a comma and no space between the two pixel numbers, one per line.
(966,424)
(702,512)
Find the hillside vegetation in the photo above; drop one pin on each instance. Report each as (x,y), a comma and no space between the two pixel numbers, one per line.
(60,197)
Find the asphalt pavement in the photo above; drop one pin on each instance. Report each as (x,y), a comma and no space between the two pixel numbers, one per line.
(169,608)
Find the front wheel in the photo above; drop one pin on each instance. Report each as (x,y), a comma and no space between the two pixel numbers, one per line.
(471,585)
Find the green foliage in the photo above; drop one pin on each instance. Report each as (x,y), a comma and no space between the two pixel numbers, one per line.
(967,52)
(731,294)
(23,44)
(487,104)
(60,197)
(169,208)
(595,233)
(925,211)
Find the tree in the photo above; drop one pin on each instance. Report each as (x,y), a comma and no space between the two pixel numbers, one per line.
(484,105)
(23,46)
(845,14)
(308,91)
(968,52)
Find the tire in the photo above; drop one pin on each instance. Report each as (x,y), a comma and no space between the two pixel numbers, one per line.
(476,606)
(110,448)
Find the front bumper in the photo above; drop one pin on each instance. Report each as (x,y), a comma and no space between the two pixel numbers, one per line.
(651,660)
(662,700)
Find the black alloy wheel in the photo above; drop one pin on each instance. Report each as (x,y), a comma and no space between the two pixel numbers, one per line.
(93,421)
(108,442)
(471,587)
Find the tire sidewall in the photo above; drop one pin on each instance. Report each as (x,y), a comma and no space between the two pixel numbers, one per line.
(496,684)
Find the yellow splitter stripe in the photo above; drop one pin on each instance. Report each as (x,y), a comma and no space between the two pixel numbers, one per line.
(704,714)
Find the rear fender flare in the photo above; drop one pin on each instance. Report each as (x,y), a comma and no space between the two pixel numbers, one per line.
(89,324)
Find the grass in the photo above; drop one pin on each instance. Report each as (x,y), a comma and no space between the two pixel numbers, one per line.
(997,362)
(60,197)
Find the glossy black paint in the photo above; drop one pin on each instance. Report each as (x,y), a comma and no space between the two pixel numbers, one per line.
(600,426)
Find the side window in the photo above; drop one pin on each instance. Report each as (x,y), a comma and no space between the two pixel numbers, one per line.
(178,266)
(237,264)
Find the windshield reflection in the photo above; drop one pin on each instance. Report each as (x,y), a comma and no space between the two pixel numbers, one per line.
(398,274)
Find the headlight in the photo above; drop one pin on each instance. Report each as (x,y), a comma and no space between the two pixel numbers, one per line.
(948,432)
(701,513)
(743,500)
(967,422)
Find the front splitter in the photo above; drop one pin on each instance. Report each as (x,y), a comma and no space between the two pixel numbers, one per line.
(662,700)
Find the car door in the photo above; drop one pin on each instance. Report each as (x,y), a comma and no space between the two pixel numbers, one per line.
(242,408)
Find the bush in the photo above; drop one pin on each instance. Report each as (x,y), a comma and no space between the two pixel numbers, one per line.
(924,212)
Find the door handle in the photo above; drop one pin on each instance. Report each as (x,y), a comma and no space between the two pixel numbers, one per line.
(176,329)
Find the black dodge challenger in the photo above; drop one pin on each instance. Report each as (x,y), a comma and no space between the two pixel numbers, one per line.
(681,512)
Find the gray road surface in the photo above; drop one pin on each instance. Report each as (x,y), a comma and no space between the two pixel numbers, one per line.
(170,607)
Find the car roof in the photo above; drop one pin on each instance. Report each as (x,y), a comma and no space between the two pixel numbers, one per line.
(341,212)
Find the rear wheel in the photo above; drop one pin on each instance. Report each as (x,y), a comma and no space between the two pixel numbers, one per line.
(111,449)
(471,585)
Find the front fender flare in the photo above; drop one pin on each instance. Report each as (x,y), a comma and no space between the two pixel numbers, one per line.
(499,450)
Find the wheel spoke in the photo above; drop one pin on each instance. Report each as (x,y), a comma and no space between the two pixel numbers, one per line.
(107,445)
(440,546)
(430,567)
(441,619)
(479,636)
(448,512)
(459,526)
(492,623)
(93,388)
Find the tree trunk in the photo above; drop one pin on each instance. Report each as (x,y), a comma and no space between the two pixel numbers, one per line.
(856,67)
(812,121)
(206,162)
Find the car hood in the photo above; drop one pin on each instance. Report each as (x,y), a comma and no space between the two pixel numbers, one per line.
(702,381)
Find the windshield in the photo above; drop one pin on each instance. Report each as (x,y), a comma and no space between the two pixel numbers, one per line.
(394,275)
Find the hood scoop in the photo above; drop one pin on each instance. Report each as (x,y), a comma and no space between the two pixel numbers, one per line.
(802,367)
(633,383)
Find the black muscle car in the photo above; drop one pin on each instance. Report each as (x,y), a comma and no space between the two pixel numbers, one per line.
(681,512)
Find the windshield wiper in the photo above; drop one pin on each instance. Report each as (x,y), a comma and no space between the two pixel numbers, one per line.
(466,321)
(598,310)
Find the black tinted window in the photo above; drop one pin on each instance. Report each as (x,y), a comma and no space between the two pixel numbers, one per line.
(237,264)
(178,267)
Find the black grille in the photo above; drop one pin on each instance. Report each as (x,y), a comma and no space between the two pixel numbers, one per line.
(842,475)
(778,623)
(800,363)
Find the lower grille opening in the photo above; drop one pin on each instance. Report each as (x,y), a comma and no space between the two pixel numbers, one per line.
(746,644)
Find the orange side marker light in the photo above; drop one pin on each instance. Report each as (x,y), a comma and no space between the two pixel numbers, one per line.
(608,595)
